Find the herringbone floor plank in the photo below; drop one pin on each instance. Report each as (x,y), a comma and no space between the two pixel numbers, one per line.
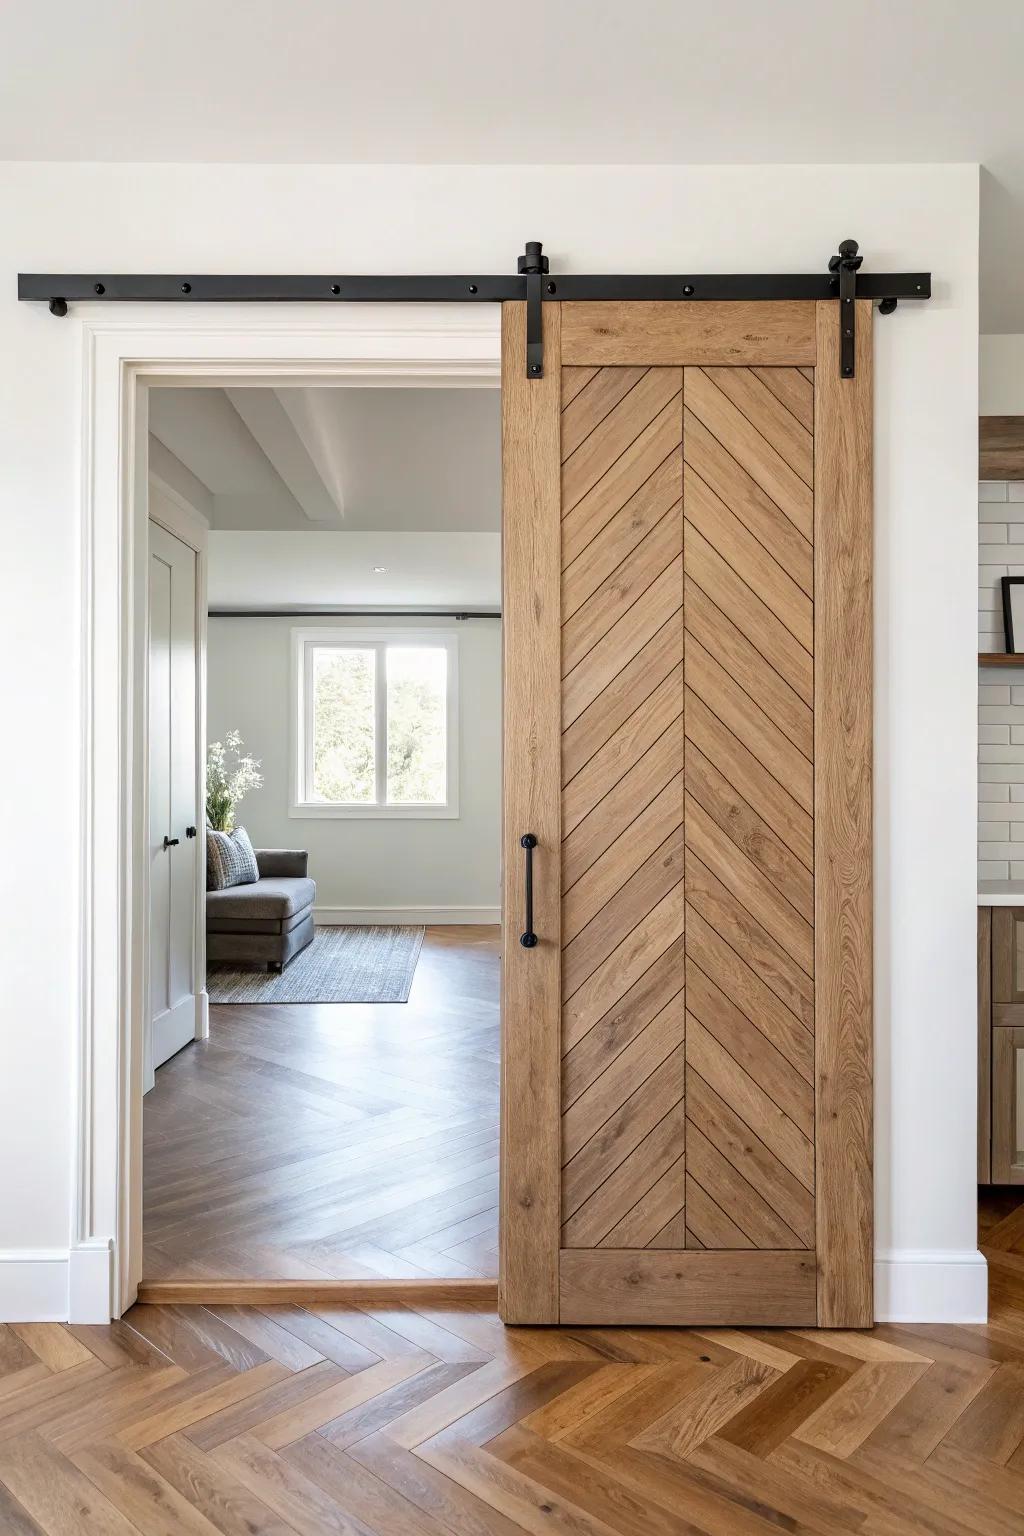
(334,1140)
(359,1421)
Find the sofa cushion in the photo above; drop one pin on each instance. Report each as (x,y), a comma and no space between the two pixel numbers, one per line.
(230,859)
(276,898)
(217,923)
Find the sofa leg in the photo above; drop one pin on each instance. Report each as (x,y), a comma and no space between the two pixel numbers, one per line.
(275,967)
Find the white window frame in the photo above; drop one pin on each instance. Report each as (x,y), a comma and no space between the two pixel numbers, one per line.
(304,643)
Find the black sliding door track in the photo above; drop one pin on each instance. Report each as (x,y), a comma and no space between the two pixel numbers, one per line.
(533,283)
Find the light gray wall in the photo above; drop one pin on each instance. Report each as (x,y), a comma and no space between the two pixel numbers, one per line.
(368,864)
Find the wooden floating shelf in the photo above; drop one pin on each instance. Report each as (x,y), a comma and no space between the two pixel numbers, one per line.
(1000,659)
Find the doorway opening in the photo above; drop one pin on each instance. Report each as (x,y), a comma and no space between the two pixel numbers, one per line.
(322,1095)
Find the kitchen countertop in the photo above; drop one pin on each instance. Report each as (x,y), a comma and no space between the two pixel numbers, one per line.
(1001,893)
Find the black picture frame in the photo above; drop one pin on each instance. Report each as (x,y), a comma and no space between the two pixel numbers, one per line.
(1014,647)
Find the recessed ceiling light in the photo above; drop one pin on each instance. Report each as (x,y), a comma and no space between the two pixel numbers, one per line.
(380,570)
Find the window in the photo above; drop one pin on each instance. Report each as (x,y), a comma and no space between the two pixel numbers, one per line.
(376,723)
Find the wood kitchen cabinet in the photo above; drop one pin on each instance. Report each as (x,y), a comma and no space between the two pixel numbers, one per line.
(1001,1045)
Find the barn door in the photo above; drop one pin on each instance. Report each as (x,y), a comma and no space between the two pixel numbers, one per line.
(687,602)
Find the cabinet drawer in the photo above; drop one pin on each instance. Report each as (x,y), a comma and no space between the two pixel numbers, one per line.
(1008,957)
(1008,1105)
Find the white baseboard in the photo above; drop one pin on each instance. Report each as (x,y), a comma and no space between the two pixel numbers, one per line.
(34,1285)
(931,1285)
(90,1282)
(330,917)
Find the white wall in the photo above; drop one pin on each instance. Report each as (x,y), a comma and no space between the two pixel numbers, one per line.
(432,870)
(84,217)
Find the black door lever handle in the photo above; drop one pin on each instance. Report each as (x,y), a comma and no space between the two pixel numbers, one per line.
(528,939)
(171,842)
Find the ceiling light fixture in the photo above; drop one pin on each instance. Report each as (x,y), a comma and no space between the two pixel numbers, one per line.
(380,570)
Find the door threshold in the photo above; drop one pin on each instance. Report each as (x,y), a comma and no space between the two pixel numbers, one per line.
(319,1293)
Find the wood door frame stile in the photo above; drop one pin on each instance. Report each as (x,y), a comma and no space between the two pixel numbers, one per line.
(120,350)
(536,1278)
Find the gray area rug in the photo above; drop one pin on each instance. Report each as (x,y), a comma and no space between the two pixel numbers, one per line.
(342,965)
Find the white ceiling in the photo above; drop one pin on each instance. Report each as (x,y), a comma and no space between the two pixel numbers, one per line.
(341,459)
(355,570)
(651,81)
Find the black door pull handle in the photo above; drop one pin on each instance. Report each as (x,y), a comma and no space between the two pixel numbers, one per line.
(528,939)
(171,842)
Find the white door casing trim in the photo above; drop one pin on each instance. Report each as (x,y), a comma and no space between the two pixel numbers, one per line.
(120,350)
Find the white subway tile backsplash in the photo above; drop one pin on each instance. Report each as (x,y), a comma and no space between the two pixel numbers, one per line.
(998,850)
(1009,810)
(998,714)
(995,512)
(1000,698)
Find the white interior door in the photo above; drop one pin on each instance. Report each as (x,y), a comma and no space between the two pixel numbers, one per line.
(173,818)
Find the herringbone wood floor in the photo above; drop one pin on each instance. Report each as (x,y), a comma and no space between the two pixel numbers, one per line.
(352,1421)
(337,1140)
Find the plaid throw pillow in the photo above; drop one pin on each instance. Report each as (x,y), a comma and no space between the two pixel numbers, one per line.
(230,859)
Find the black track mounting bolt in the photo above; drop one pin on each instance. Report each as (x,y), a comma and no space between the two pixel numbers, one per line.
(847,264)
(533,265)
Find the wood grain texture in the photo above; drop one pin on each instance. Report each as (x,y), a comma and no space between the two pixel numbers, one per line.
(437,1421)
(772,1289)
(318,1293)
(1007,967)
(660,333)
(623,1180)
(531,605)
(1007,1130)
(842,826)
(328,1142)
(750,640)
(984,1045)
(1001,448)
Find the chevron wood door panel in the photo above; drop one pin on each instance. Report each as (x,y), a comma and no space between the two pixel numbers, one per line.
(705,986)
(749,478)
(623,1131)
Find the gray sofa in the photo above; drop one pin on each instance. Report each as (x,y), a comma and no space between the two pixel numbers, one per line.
(267,922)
